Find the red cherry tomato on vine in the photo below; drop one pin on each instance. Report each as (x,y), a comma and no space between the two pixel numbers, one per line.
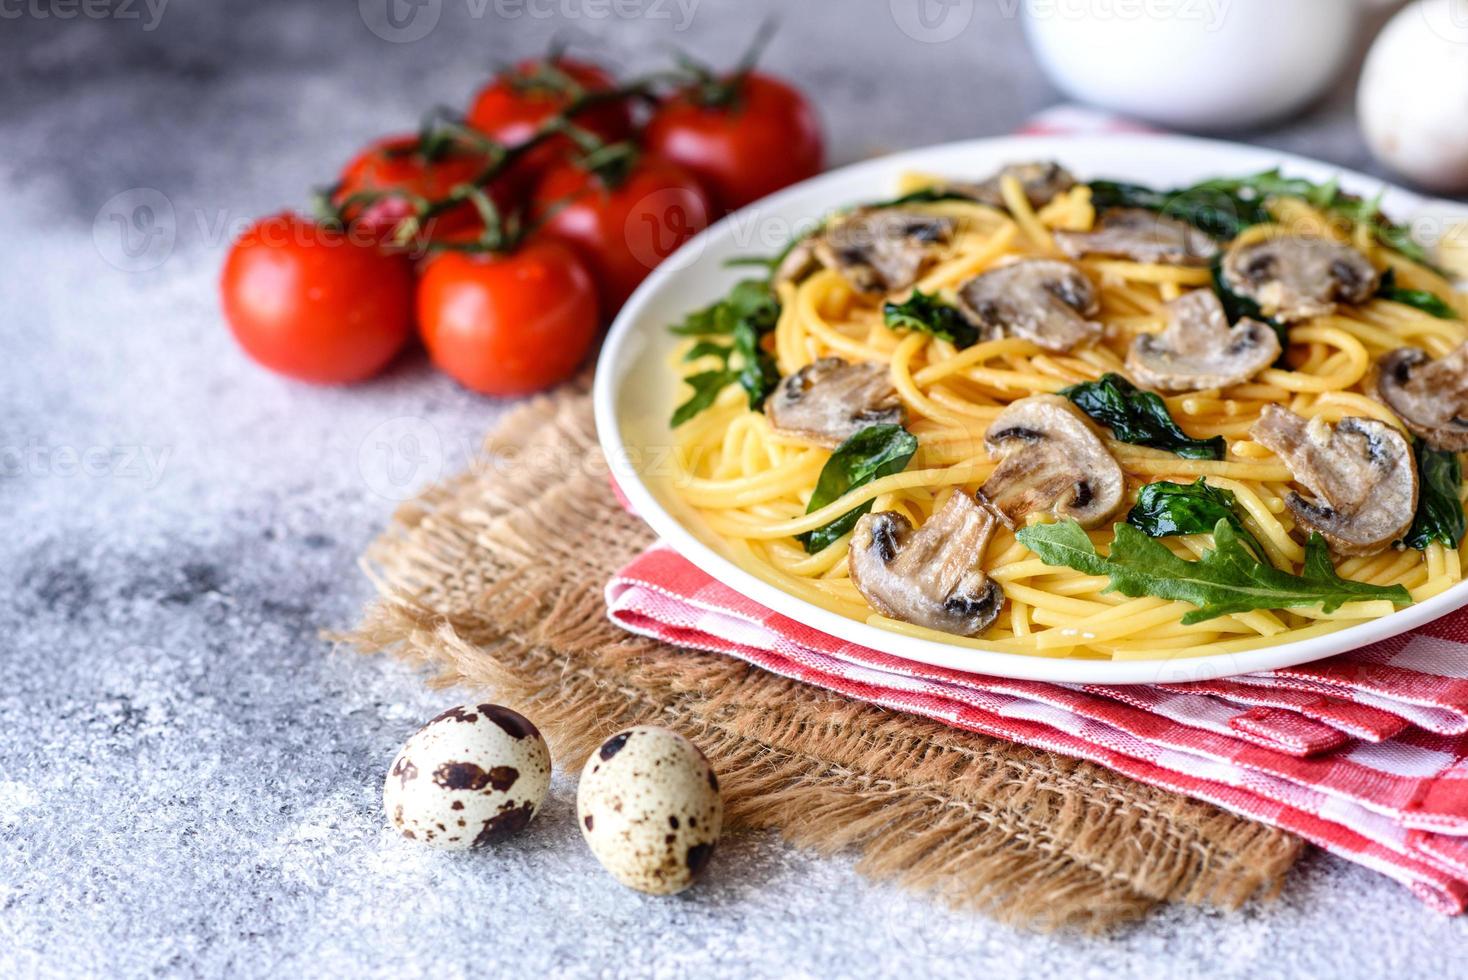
(516,102)
(315,304)
(394,164)
(765,137)
(508,324)
(622,230)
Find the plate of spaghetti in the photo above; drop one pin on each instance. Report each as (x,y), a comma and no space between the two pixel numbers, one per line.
(1117,410)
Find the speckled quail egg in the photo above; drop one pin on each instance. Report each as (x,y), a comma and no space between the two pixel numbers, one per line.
(649,809)
(471,776)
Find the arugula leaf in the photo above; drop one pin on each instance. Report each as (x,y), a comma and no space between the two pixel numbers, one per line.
(1237,307)
(1439,508)
(923,195)
(757,373)
(744,315)
(1139,417)
(706,386)
(1225,206)
(1164,509)
(927,314)
(1225,580)
(1213,211)
(872,453)
(1421,299)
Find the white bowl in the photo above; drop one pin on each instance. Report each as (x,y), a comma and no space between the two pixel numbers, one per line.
(1190,64)
(636,389)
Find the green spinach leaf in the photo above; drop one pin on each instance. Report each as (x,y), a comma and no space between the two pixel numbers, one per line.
(1139,417)
(1163,509)
(1225,580)
(872,453)
(927,314)
(1439,508)
(1420,299)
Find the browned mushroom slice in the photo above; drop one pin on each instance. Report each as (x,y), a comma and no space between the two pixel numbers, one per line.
(1042,180)
(1141,235)
(1051,461)
(1040,300)
(929,576)
(1431,397)
(1295,278)
(1199,349)
(877,250)
(829,401)
(1360,473)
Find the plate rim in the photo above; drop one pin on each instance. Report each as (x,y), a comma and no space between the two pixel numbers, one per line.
(936,653)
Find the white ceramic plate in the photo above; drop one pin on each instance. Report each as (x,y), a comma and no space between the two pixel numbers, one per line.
(635,389)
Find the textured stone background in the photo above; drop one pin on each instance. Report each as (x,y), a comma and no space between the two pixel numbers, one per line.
(189,777)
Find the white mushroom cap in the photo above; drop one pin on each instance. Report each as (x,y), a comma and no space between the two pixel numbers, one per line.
(1051,461)
(1040,300)
(1295,278)
(1041,180)
(829,401)
(1431,397)
(1360,473)
(930,576)
(1140,235)
(877,250)
(1199,349)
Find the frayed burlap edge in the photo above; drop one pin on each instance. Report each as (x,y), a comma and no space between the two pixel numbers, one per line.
(494,579)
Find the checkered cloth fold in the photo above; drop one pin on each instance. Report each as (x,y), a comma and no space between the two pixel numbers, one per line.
(1364,754)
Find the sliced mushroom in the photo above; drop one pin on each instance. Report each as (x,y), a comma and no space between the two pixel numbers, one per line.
(1431,397)
(1199,349)
(1141,235)
(1360,473)
(1042,181)
(1041,300)
(829,401)
(1051,461)
(929,576)
(1295,278)
(877,250)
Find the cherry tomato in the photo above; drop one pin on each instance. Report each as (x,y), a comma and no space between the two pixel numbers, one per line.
(508,324)
(315,304)
(622,231)
(516,102)
(393,164)
(765,138)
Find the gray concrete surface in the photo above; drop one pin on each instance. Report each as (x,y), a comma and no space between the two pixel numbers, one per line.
(189,777)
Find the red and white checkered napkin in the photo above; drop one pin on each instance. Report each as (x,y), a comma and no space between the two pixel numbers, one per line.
(1365,754)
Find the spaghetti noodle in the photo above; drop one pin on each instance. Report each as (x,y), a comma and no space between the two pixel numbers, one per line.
(751,485)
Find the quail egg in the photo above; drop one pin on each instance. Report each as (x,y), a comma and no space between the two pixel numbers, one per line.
(649,809)
(471,776)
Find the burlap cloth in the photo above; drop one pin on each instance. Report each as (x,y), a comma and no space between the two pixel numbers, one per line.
(494,579)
